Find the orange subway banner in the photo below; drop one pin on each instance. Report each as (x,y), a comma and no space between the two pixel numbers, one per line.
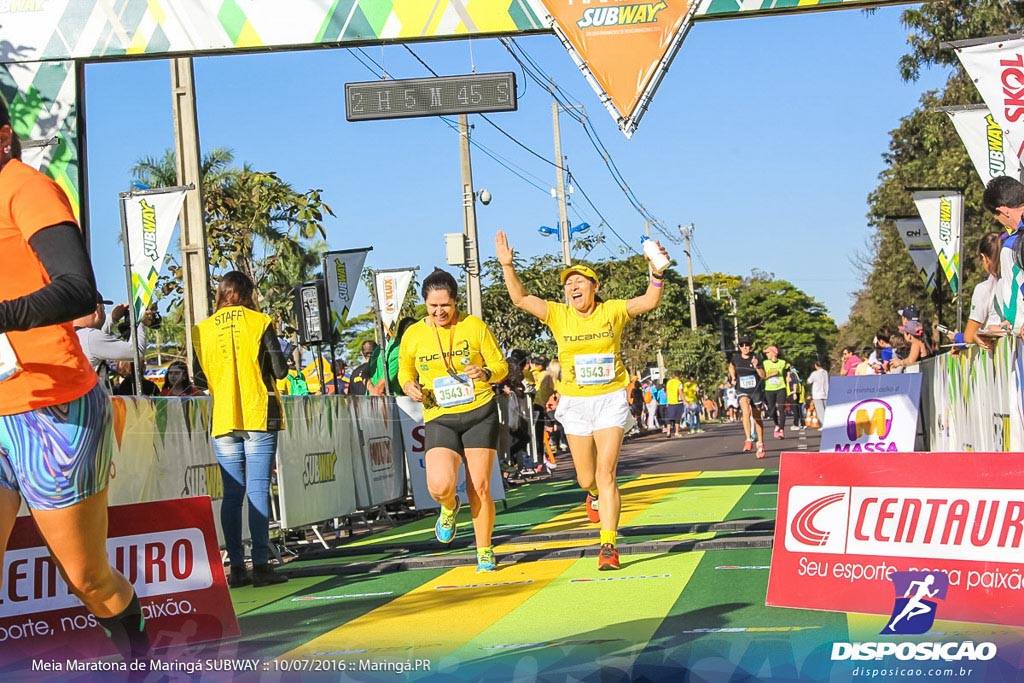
(622,45)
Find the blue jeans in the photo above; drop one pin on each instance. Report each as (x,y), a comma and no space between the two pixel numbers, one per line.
(245,460)
(693,416)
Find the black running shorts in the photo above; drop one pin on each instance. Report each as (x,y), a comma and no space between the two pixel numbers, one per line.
(477,428)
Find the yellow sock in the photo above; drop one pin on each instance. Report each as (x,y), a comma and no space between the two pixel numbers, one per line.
(445,510)
(593,492)
(484,549)
(609,537)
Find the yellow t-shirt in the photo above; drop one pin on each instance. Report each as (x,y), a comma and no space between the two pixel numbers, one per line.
(690,392)
(469,342)
(227,346)
(594,342)
(672,390)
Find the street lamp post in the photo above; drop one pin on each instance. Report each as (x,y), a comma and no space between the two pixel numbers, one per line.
(574,230)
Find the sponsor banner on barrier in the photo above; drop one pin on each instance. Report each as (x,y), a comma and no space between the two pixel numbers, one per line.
(871,413)
(315,457)
(166,549)
(412,435)
(379,474)
(848,525)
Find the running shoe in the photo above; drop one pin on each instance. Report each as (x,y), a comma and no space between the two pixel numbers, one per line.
(593,512)
(779,433)
(760,450)
(445,526)
(748,445)
(608,558)
(485,561)
(795,428)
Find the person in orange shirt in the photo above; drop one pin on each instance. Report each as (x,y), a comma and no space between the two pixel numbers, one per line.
(55,447)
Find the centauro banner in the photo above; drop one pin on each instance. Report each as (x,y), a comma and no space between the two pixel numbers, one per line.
(622,46)
(987,143)
(997,69)
(341,272)
(919,244)
(149,224)
(942,213)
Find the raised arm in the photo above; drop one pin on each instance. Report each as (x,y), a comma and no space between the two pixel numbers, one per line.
(516,291)
(650,299)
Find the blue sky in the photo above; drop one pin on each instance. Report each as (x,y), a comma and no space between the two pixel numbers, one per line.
(766,134)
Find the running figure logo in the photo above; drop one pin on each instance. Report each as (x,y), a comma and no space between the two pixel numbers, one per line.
(915,607)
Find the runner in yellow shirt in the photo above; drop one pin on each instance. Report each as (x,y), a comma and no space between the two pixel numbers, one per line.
(674,407)
(448,361)
(593,409)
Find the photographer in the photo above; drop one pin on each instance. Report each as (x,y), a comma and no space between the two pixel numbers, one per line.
(100,346)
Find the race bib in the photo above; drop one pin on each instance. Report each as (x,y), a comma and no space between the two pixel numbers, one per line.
(748,382)
(449,391)
(594,368)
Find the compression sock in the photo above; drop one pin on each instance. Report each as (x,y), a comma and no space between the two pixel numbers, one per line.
(128,630)
(609,536)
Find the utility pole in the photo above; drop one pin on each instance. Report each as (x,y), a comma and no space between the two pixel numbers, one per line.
(195,269)
(563,211)
(475,298)
(687,230)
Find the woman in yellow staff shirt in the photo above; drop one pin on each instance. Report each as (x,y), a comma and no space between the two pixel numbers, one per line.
(447,362)
(593,409)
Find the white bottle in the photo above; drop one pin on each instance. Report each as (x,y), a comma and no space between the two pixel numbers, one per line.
(9,366)
(659,262)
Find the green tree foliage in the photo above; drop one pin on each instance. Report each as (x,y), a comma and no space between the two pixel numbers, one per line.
(255,223)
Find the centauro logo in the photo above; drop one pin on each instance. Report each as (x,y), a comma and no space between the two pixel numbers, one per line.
(318,468)
(149,230)
(945,219)
(996,158)
(203,480)
(625,15)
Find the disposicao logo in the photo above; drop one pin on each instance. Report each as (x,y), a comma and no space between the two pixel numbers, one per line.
(917,593)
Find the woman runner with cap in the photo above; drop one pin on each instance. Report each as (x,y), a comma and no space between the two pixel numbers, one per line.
(747,374)
(593,409)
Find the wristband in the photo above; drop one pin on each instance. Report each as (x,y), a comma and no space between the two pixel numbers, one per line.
(487,374)
(657,283)
(657,276)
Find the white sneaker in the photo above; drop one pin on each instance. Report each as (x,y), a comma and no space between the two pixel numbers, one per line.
(794,428)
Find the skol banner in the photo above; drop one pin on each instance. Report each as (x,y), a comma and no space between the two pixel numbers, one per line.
(997,69)
(622,46)
(342,270)
(988,144)
(942,213)
(149,224)
(166,549)
(919,244)
(871,413)
(391,288)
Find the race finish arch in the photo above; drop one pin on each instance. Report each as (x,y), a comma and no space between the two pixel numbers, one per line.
(623,47)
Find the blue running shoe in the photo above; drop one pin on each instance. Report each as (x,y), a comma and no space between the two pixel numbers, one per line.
(445,526)
(485,561)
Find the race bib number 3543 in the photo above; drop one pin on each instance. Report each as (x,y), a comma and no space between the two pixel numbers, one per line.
(449,391)
(594,368)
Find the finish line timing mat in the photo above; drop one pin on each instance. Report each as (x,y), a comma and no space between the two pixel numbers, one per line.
(687,604)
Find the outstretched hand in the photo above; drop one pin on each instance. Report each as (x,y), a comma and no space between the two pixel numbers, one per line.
(504,251)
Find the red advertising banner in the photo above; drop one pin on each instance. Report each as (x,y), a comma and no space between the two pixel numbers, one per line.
(846,522)
(167,549)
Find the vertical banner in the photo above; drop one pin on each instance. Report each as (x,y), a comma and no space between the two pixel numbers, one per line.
(942,213)
(377,468)
(149,220)
(871,413)
(915,238)
(988,143)
(623,47)
(997,69)
(392,286)
(341,274)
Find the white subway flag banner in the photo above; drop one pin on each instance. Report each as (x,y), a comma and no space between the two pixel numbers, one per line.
(150,221)
(942,213)
(997,69)
(988,144)
(919,244)
(392,286)
(341,272)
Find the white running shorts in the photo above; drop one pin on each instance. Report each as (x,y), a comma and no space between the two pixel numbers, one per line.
(583,415)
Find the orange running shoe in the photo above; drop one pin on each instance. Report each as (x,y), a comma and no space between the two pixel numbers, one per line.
(593,512)
(608,558)
(748,445)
